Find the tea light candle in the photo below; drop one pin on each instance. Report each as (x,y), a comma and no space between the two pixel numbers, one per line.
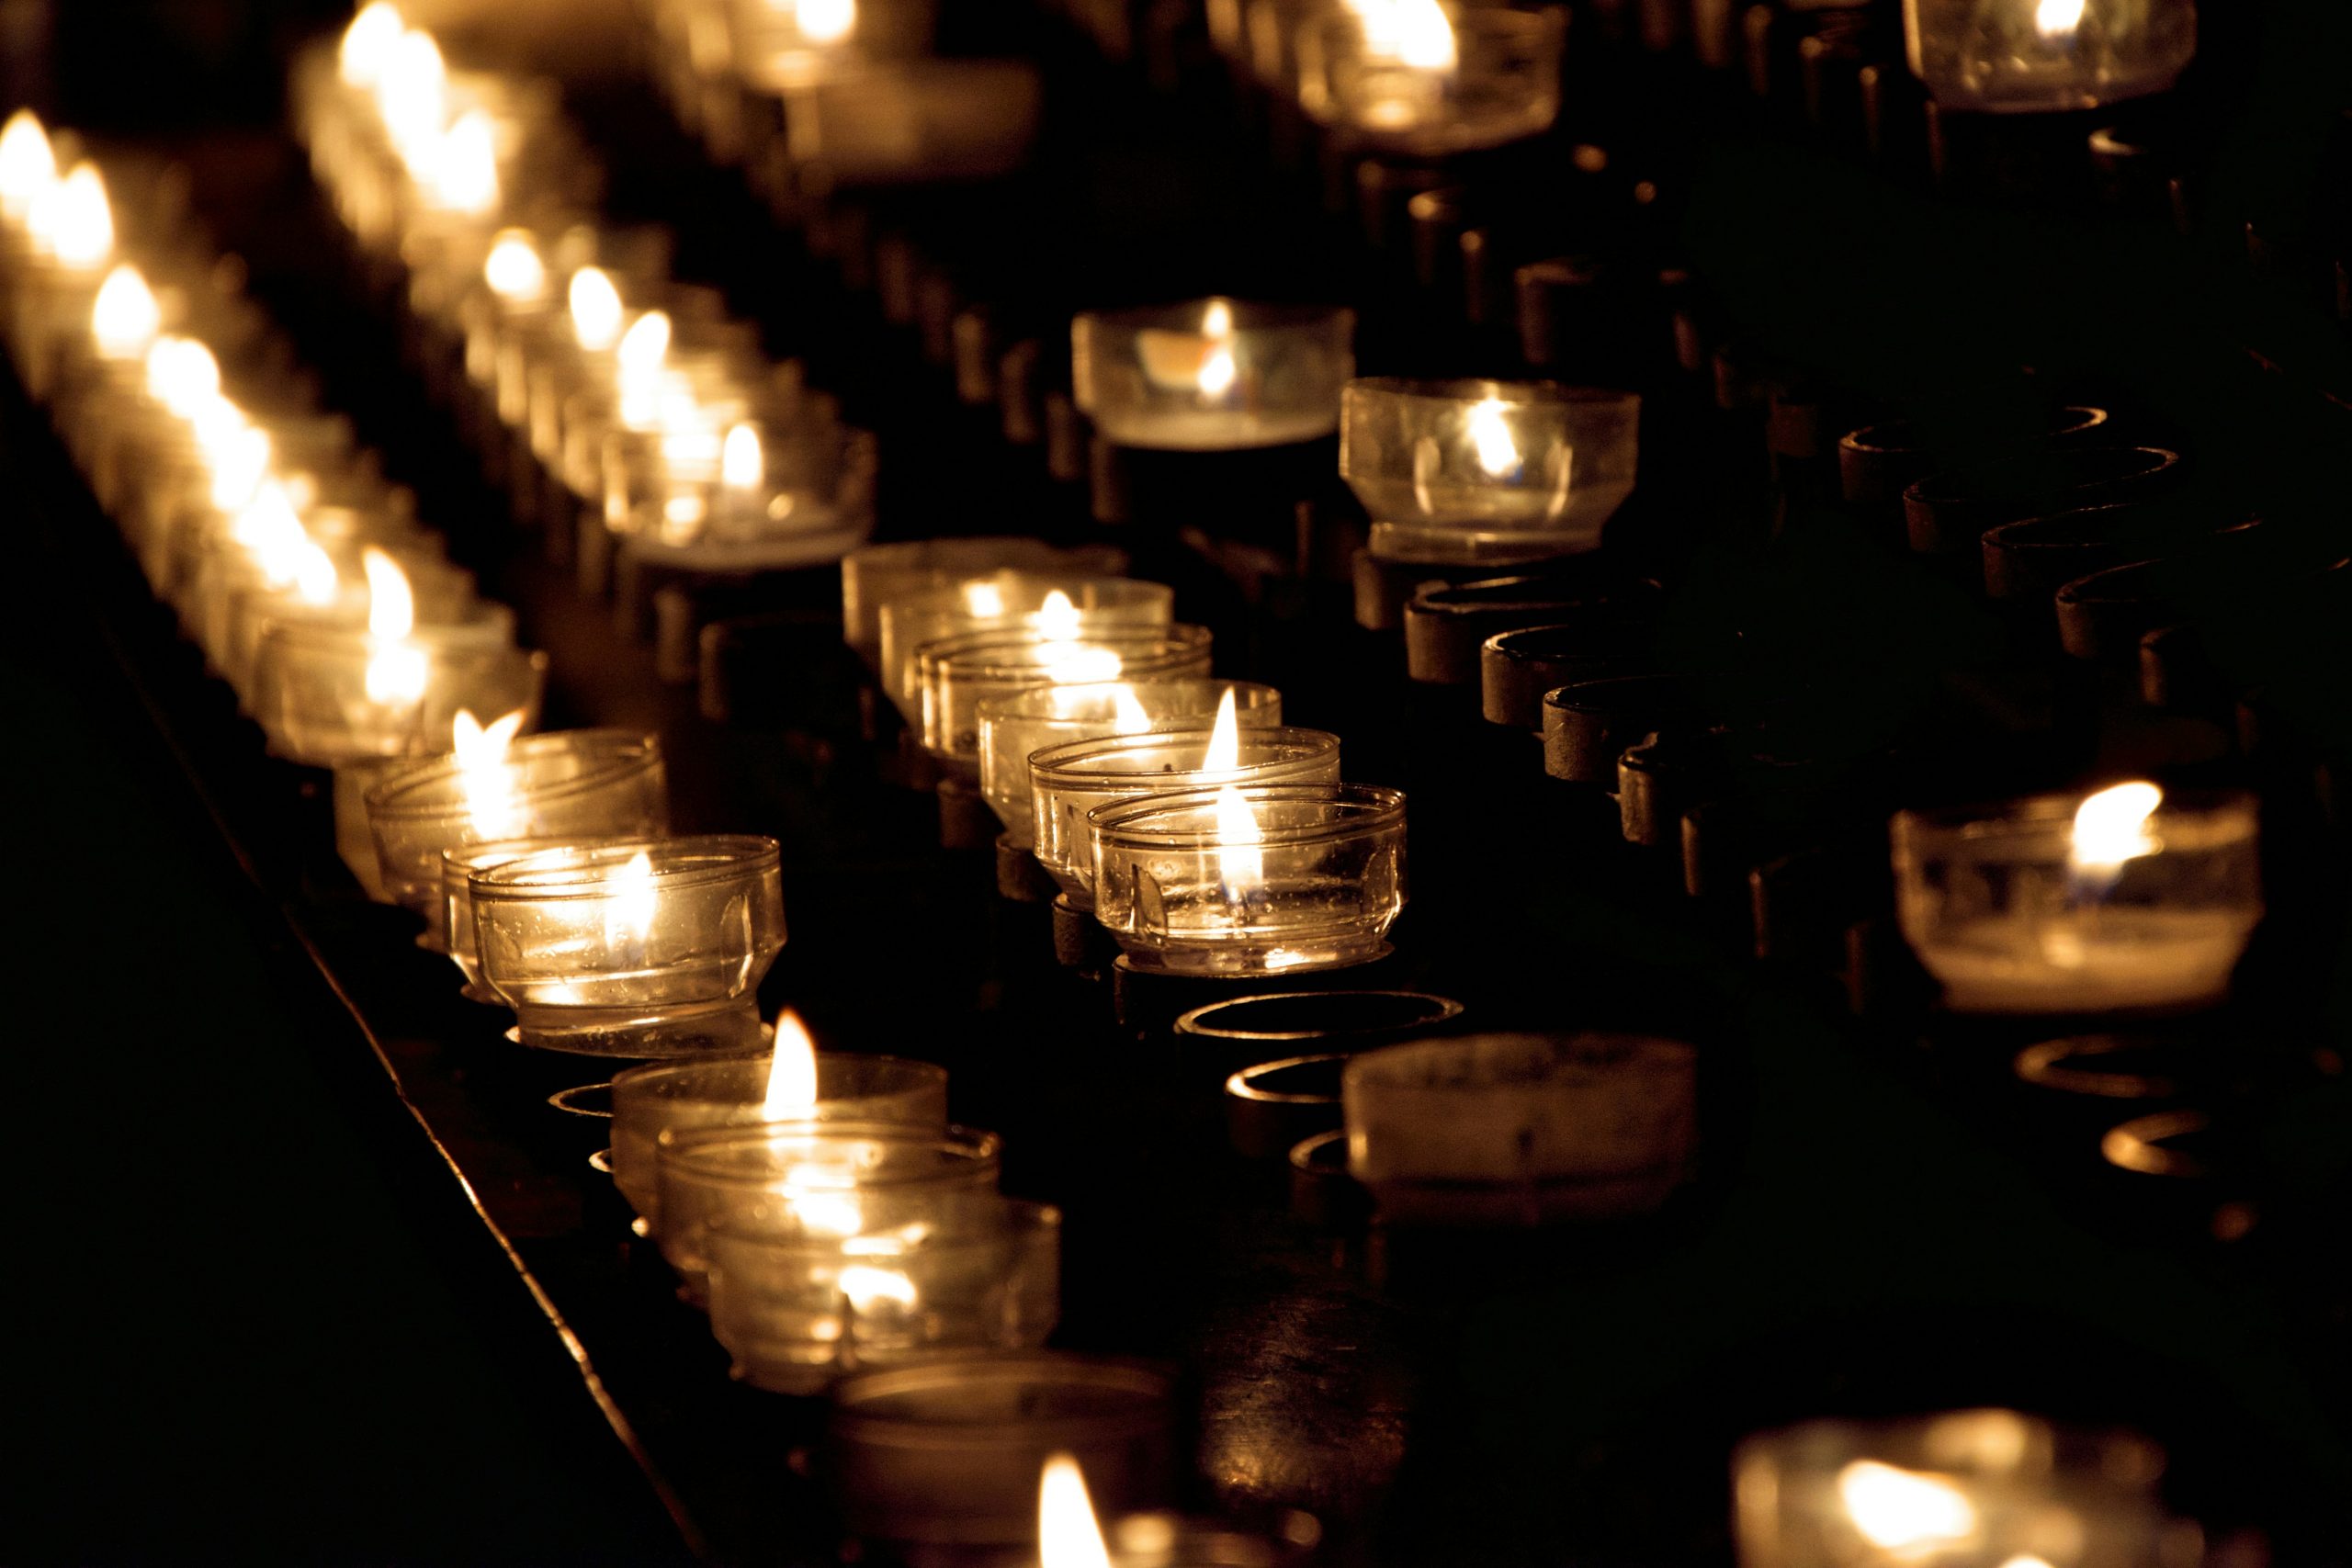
(650,949)
(874,575)
(1951,1488)
(1418,78)
(1250,880)
(768,504)
(471,741)
(1015,728)
(1069,781)
(813,1181)
(1213,375)
(960,673)
(795,1313)
(1050,603)
(2046,56)
(794,1082)
(326,697)
(1470,470)
(1070,1534)
(1520,1129)
(2125,900)
(70,228)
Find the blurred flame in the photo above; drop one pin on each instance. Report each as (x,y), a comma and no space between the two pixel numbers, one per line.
(271,533)
(1490,436)
(1069,1535)
(792,1071)
(1057,619)
(825,21)
(1130,717)
(493,802)
(71,221)
(238,452)
(463,170)
(866,1285)
(182,374)
(629,908)
(1218,371)
(27,164)
(1241,863)
(645,344)
(2058,18)
(983,599)
(397,667)
(1225,741)
(2111,827)
(412,89)
(596,309)
(741,464)
(1900,1510)
(1411,32)
(125,318)
(360,59)
(514,270)
(1217,321)
(316,581)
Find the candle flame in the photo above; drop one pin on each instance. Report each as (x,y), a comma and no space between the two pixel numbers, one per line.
(1224,739)
(983,599)
(27,164)
(2111,827)
(1069,1535)
(463,173)
(741,464)
(315,578)
(825,21)
(514,270)
(1218,371)
(1490,436)
(182,375)
(125,318)
(1131,718)
(1217,321)
(629,909)
(644,345)
(412,90)
(1424,36)
(72,222)
(1902,1509)
(271,533)
(2058,18)
(867,1285)
(596,309)
(238,452)
(397,667)
(791,1071)
(492,800)
(1057,618)
(1241,861)
(360,59)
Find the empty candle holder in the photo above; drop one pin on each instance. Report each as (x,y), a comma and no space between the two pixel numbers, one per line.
(1953,1486)
(650,949)
(1446,628)
(812,1180)
(1213,375)
(960,673)
(568,784)
(2036,56)
(1261,879)
(732,1090)
(1521,1129)
(875,574)
(795,1313)
(1465,471)
(1252,1029)
(1007,603)
(1067,782)
(2129,899)
(1271,1107)
(1430,81)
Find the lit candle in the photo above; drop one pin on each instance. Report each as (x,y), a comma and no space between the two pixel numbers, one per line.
(2047,55)
(1070,1535)
(1214,375)
(1418,78)
(959,673)
(877,574)
(1005,602)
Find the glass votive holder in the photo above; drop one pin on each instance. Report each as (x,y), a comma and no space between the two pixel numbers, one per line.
(2047,56)
(651,948)
(313,696)
(729,1090)
(455,930)
(1434,82)
(1254,880)
(913,121)
(813,1180)
(1067,782)
(1520,1129)
(1469,470)
(795,1313)
(1213,375)
(567,784)
(875,574)
(2126,900)
(1007,602)
(1955,1488)
(1015,728)
(960,673)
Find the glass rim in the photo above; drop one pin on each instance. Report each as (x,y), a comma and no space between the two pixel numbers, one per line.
(1248,1083)
(680,1067)
(1364,809)
(1184,315)
(731,856)
(950,595)
(1493,21)
(1854,440)
(1009,1219)
(1057,765)
(2094,1450)
(629,751)
(2054,810)
(321,640)
(1248,695)
(961,654)
(462,858)
(694,1150)
(1457,390)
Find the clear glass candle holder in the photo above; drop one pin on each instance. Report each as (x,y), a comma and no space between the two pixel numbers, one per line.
(568,784)
(1494,78)
(1254,880)
(313,696)
(648,949)
(2044,56)
(1007,602)
(1954,1489)
(1520,1129)
(875,574)
(1213,375)
(813,1180)
(2018,908)
(731,1091)
(1015,728)
(960,673)
(1069,782)
(797,1313)
(455,930)
(1467,470)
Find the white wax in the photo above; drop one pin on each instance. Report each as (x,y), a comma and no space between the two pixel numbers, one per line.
(2090,959)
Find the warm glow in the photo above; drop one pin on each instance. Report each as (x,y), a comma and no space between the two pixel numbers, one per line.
(411,94)
(1241,863)
(1225,741)
(825,21)
(360,61)
(983,599)
(2058,18)
(514,270)
(463,173)
(628,912)
(1057,618)
(493,803)
(27,164)
(271,533)
(1217,321)
(124,318)
(645,344)
(1490,436)
(2111,827)
(73,221)
(867,1285)
(1411,32)
(1901,1509)
(397,667)
(238,452)
(596,309)
(1130,716)
(1218,371)
(1069,1535)
(742,465)
(182,375)
(791,1071)
(2026,1560)
(316,581)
